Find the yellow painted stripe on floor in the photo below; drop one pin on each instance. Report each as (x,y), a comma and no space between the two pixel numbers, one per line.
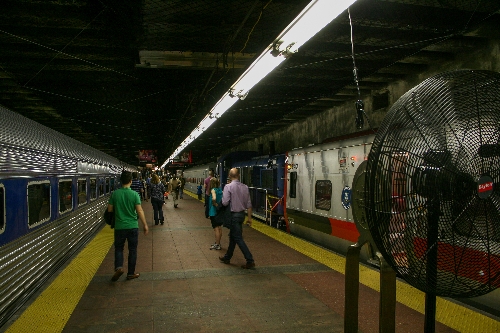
(191,194)
(450,314)
(52,309)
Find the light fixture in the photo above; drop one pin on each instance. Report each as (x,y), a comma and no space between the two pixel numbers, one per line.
(307,24)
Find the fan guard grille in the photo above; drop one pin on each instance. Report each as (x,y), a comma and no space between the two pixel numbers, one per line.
(434,167)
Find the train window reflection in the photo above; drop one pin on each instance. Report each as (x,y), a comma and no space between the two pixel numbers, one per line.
(82,191)
(93,189)
(267,179)
(38,202)
(101,187)
(293,184)
(2,208)
(323,194)
(65,195)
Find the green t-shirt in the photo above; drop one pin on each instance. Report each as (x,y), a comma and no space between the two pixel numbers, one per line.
(123,201)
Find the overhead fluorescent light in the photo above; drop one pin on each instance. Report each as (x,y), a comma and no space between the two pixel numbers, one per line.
(307,24)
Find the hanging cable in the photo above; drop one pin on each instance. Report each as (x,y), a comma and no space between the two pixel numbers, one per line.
(360,106)
(359,103)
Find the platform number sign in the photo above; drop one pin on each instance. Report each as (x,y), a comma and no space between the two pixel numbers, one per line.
(346,197)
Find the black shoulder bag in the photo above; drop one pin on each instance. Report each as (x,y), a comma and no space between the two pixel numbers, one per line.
(223,216)
(109,218)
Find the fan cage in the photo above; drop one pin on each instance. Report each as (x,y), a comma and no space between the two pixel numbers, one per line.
(423,206)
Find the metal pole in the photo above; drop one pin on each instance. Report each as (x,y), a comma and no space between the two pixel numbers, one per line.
(351,289)
(433,211)
(387,311)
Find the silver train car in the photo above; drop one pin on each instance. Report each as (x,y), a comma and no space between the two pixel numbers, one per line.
(53,193)
(318,201)
(196,175)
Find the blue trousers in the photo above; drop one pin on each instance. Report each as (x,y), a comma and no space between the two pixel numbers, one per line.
(132,237)
(157,209)
(236,237)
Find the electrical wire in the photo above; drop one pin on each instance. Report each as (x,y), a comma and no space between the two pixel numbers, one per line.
(360,106)
(67,54)
(84,101)
(65,46)
(251,31)
(243,48)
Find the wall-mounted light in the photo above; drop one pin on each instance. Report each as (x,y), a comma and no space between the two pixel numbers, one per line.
(307,24)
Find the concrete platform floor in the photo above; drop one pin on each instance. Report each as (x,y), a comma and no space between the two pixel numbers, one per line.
(184,288)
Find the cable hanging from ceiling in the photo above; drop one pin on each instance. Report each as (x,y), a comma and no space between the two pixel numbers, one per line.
(360,106)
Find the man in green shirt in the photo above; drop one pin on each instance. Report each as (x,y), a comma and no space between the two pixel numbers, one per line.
(126,204)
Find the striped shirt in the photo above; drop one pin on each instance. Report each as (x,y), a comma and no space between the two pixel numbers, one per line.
(137,185)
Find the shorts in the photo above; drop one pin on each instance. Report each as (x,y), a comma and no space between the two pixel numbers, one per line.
(214,224)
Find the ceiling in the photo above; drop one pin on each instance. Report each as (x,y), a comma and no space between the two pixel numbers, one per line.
(124,75)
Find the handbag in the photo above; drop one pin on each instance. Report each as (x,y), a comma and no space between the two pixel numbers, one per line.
(223,216)
(109,218)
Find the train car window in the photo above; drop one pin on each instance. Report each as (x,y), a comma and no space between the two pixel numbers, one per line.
(82,191)
(93,189)
(38,202)
(323,194)
(293,184)
(101,186)
(65,195)
(112,184)
(2,208)
(266,179)
(107,186)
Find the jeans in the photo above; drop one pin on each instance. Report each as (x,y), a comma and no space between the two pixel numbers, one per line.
(131,235)
(207,197)
(157,209)
(181,193)
(236,237)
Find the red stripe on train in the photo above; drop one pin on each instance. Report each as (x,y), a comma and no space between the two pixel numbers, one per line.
(345,230)
(469,263)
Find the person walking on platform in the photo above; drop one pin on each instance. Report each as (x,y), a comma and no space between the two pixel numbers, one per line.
(181,188)
(207,191)
(126,204)
(157,199)
(199,190)
(216,198)
(173,188)
(165,184)
(237,196)
(137,185)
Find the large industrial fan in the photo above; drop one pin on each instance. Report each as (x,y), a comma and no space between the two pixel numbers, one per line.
(432,196)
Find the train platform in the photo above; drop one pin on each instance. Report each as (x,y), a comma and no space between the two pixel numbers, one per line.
(183,287)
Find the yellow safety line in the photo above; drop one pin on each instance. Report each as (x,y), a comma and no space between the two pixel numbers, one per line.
(52,309)
(450,314)
(194,195)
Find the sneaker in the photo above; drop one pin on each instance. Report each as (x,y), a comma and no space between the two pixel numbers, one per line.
(217,247)
(213,246)
(175,206)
